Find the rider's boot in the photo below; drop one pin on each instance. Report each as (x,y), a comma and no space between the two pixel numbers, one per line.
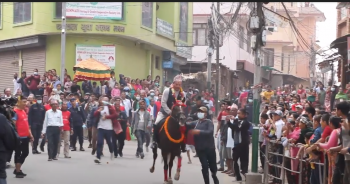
(155,136)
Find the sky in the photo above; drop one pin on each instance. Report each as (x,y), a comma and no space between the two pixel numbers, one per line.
(326,31)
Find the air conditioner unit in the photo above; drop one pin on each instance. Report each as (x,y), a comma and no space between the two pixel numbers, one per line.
(272,28)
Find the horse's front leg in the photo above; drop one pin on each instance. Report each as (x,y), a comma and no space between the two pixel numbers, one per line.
(155,155)
(165,158)
(171,162)
(177,174)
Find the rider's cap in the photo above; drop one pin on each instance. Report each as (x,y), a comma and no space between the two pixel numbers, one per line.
(202,109)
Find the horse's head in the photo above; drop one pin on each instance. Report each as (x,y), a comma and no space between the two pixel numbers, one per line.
(178,113)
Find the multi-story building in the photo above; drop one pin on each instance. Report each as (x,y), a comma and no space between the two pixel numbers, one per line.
(133,38)
(292,56)
(235,51)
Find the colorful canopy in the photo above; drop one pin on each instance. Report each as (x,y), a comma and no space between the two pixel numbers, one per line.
(91,69)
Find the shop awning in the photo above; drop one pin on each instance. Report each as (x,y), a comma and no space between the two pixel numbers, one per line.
(339,42)
(270,68)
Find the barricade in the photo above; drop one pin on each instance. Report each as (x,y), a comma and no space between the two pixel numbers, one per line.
(280,167)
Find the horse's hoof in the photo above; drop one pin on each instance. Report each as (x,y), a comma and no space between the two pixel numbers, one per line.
(177,176)
(170,181)
(151,169)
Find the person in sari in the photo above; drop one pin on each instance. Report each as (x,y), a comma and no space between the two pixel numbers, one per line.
(327,100)
(137,84)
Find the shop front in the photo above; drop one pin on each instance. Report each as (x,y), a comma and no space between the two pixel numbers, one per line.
(343,46)
(25,54)
(171,65)
(245,74)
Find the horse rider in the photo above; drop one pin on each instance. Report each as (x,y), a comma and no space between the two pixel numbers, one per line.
(169,98)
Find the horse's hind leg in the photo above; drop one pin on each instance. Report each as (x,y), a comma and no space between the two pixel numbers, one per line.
(155,155)
(171,162)
(165,158)
(177,174)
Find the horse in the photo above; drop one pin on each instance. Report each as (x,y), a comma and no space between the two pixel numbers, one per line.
(171,134)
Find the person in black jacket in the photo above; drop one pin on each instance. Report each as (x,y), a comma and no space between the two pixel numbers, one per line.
(8,142)
(240,134)
(195,107)
(77,118)
(36,116)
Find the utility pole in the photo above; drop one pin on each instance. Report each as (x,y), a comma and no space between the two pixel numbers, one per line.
(63,40)
(210,50)
(312,64)
(218,70)
(256,96)
(288,64)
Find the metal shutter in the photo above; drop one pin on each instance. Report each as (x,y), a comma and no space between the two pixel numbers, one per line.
(8,68)
(34,58)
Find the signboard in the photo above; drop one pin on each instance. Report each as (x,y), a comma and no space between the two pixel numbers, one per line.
(164,28)
(95,10)
(167,64)
(183,50)
(348,41)
(103,53)
(275,18)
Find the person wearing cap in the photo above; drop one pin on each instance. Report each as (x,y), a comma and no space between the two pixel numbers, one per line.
(36,117)
(77,118)
(203,130)
(169,98)
(299,109)
(195,107)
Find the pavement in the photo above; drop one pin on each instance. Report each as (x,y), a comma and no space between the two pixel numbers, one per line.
(126,170)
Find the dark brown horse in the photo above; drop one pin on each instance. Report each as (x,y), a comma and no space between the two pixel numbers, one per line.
(171,135)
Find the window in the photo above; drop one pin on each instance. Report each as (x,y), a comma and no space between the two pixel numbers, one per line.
(200,35)
(58,9)
(156,65)
(147,14)
(248,43)
(22,12)
(183,21)
(241,37)
(269,57)
(343,13)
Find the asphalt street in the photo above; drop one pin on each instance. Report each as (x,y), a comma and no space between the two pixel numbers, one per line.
(81,169)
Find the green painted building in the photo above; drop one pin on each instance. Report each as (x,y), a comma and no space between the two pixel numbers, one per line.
(135,38)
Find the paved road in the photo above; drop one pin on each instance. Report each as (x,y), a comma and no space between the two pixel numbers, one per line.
(81,169)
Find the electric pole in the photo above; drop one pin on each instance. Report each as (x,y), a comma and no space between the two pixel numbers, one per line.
(218,72)
(63,41)
(311,63)
(210,50)
(256,95)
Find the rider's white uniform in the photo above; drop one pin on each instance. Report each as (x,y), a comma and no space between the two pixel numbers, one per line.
(164,105)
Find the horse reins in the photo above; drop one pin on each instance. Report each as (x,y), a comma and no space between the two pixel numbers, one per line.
(165,127)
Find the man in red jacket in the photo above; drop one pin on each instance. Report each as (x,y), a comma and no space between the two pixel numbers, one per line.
(32,82)
(67,130)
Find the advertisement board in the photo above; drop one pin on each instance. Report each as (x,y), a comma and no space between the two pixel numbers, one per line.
(95,10)
(103,53)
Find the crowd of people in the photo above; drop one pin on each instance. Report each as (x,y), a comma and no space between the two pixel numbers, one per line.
(309,124)
(58,111)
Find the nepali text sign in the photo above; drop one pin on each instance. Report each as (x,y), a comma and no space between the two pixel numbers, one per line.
(95,10)
(165,28)
(103,53)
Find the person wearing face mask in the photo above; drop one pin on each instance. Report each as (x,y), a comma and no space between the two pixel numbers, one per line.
(151,95)
(203,130)
(36,117)
(33,82)
(135,104)
(77,118)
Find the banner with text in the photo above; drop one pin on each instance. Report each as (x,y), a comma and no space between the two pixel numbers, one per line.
(95,10)
(103,53)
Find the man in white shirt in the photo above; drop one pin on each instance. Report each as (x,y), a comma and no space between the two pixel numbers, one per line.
(16,86)
(209,104)
(52,124)
(126,103)
(277,117)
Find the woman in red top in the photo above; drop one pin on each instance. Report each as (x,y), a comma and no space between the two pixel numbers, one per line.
(23,130)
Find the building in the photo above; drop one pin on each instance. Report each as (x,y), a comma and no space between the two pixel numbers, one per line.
(342,42)
(236,58)
(292,56)
(135,39)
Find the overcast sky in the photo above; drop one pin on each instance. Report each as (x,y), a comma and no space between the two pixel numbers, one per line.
(326,31)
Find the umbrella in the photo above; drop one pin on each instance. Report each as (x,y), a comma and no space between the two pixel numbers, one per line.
(91,69)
